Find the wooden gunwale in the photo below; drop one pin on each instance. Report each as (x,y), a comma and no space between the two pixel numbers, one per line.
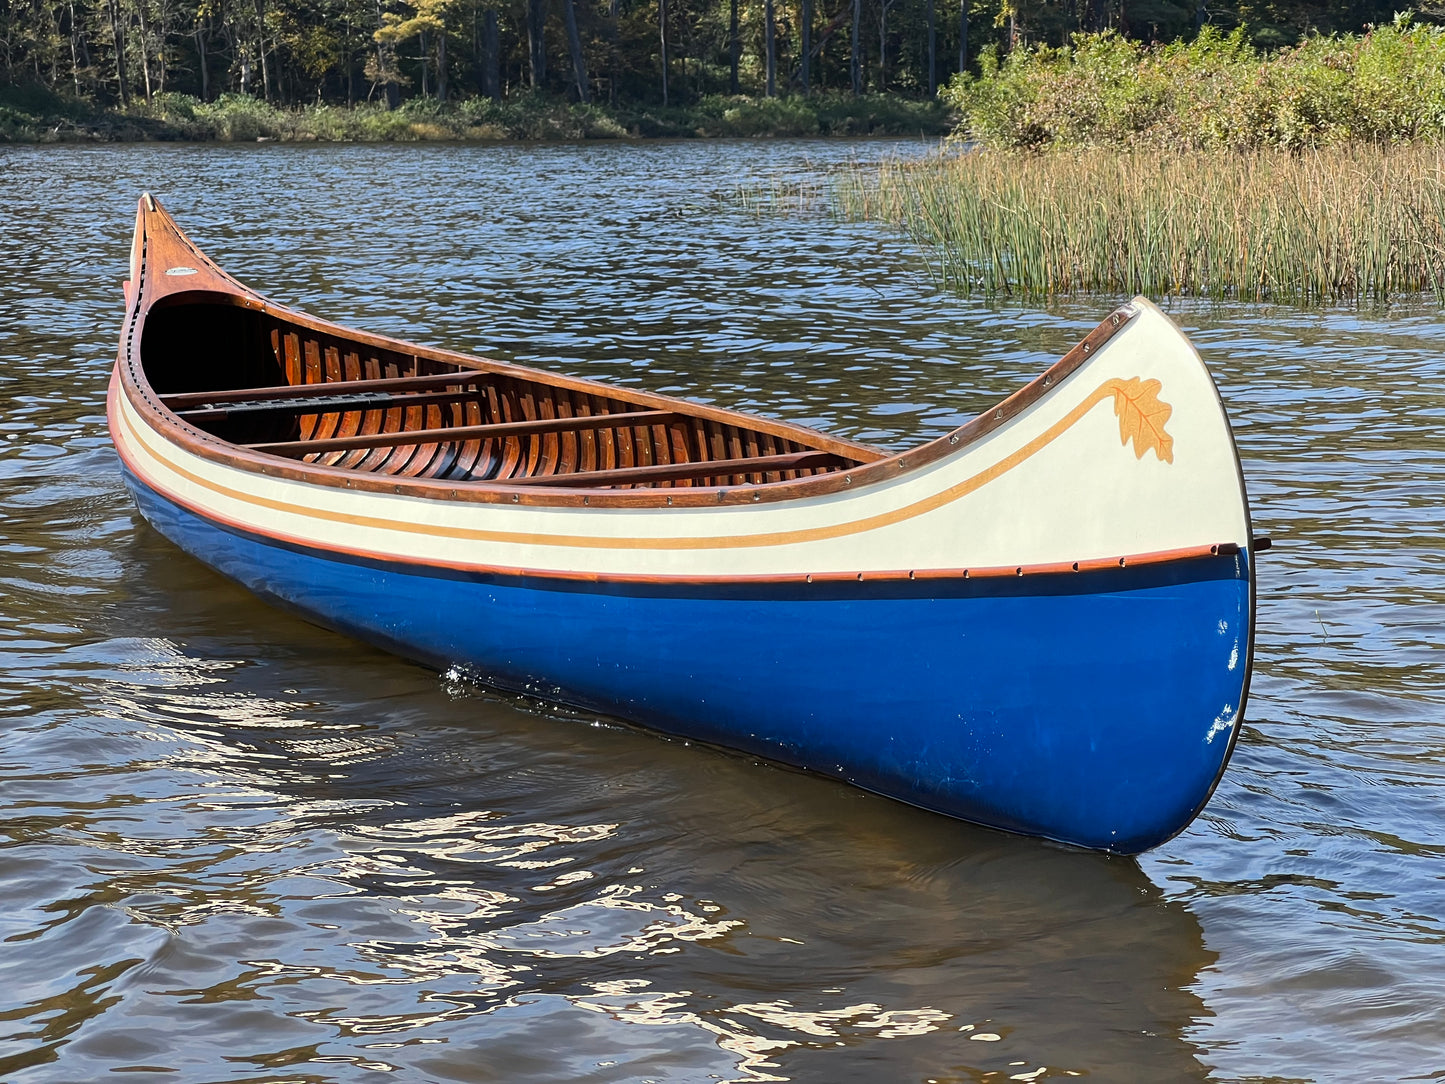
(165,244)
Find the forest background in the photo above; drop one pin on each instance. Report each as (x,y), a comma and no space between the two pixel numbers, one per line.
(242,69)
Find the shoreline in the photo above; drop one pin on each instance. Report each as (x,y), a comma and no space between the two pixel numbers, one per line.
(36,117)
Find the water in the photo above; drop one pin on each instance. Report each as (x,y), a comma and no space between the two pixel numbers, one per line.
(239,848)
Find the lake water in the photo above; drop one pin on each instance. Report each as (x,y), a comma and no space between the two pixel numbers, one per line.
(234,847)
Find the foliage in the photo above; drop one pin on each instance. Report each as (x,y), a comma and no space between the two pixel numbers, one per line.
(33,115)
(1387,85)
(299,52)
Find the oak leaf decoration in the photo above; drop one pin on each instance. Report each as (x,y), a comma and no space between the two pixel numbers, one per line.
(1142,416)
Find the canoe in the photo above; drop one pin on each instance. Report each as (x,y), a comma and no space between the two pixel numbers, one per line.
(1041,621)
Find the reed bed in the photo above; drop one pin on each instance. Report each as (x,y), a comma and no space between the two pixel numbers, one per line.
(1357,224)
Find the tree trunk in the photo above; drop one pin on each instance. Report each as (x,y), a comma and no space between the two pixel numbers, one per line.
(425,89)
(261,48)
(74,56)
(770,37)
(932,53)
(574,42)
(119,52)
(201,56)
(808,41)
(537,44)
(855,58)
(734,47)
(145,49)
(613,14)
(883,46)
(491,57)
(161,51)
(350,65)
(441,65)
(963,35)
(662,36)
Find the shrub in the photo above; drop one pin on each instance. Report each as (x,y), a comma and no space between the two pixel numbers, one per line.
(1216,91)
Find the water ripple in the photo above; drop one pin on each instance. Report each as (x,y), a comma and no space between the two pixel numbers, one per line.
(233,846)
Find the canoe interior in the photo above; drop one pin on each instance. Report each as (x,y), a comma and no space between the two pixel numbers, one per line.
(279,387)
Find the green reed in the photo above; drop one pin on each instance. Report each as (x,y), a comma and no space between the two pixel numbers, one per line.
(1354,223)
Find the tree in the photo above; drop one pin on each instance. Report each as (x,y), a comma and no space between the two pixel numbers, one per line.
(428,20)
(574,43)
(771,37)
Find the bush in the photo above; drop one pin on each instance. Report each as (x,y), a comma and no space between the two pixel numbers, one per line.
(1385,86)
(40,115)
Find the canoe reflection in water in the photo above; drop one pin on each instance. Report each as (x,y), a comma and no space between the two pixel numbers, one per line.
(424,877)
(1040,622)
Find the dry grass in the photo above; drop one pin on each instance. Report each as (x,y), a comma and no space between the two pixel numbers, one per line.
(1354,223)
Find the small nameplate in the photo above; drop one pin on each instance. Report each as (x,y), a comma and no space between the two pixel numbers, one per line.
(180,271)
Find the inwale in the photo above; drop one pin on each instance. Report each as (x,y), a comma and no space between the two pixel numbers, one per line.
(1041,621)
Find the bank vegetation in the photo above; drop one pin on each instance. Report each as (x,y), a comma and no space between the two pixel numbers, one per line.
(1206,168)
(33,115)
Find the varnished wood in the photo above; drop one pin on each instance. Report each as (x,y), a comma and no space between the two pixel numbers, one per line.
(166,246)
(667,472)
(188,400)
(402,436)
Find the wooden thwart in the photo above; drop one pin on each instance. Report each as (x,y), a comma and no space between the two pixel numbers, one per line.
(320,392)
(329,404)
(673,472)
(458,433)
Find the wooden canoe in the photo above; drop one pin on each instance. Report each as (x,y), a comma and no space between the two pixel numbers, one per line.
(1042,621)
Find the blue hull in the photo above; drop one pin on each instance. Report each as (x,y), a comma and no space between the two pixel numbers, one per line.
(1094,708)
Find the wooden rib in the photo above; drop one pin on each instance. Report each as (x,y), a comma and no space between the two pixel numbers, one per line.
(419,420)
(296,367)
(567,441)
(371,421)
(669,472)
(278,347)
(452,416)
(311,354)
(467,413)
(513,447)
(328,365)
(493,448)
(767,445)
(586,437)
(752,451)
(347,365)
(408,460)
(551,442)
(606,438)
(661,444)
(187,399)
(326,423)
(626,453)
(391,420)
(700,452)
(677,447)
(526,399)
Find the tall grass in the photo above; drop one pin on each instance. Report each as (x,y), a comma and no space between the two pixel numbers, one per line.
(1356,223)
